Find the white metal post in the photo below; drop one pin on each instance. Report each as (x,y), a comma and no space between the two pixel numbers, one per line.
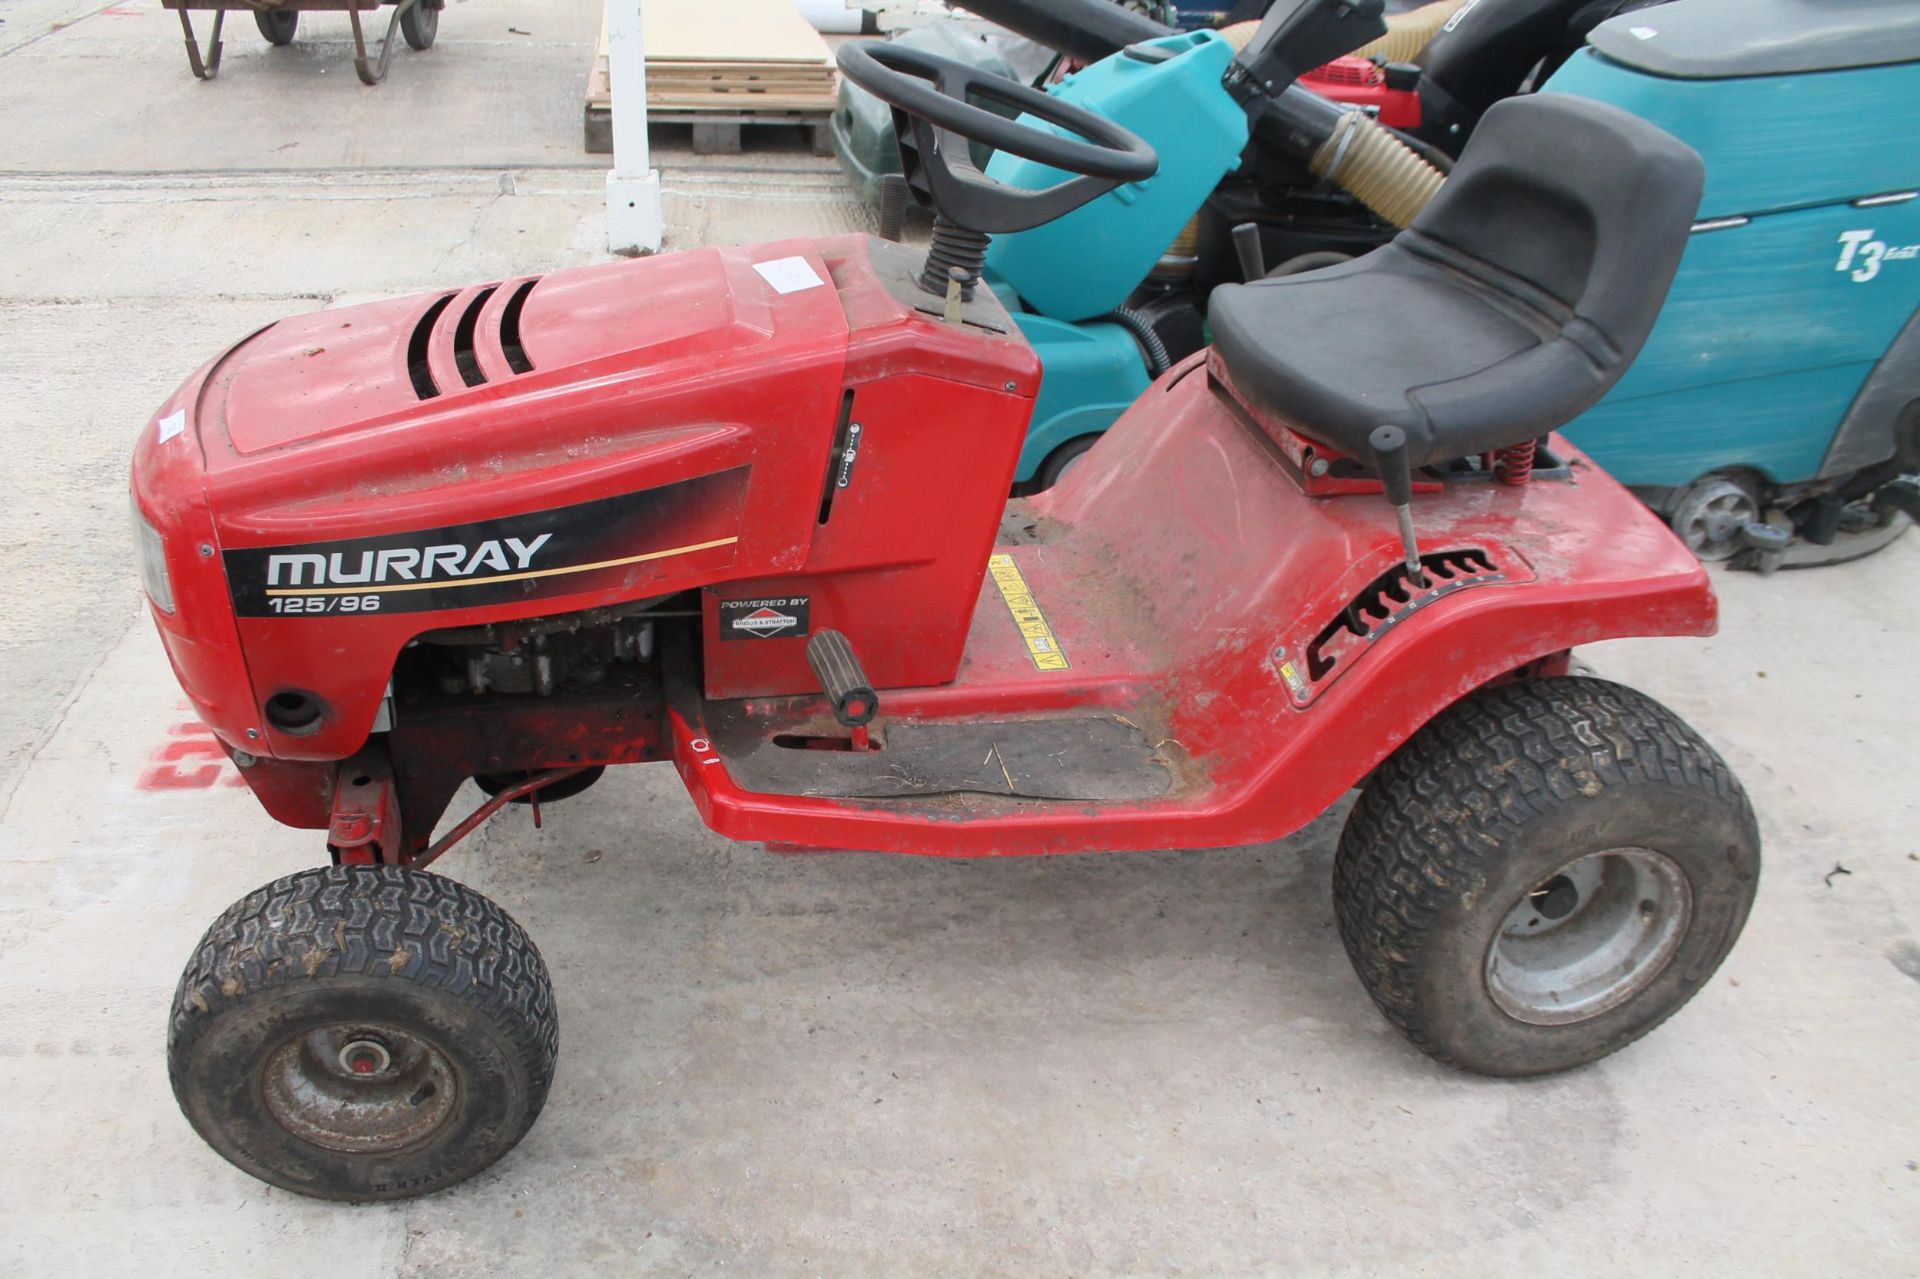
(633,185)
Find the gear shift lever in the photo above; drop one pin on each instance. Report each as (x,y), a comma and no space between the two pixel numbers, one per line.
(1389,445)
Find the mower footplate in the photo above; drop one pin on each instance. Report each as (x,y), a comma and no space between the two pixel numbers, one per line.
(1088,757)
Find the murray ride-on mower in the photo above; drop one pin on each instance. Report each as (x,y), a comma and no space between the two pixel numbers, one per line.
(744,510)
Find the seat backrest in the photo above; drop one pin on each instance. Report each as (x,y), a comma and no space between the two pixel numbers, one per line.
(1575,200)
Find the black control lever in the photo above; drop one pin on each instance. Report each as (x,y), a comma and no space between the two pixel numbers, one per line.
(1389,447)
(1295,37)
(893,207)
(847,687)
(1246,247)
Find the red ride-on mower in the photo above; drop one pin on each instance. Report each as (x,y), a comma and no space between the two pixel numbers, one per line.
(743,510)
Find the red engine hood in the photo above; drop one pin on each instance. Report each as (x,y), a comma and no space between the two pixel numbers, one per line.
(362,367)
(669,422)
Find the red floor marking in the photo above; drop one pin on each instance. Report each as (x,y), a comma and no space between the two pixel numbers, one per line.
(190,759)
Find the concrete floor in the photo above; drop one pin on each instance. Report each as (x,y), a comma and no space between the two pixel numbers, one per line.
(838,1065)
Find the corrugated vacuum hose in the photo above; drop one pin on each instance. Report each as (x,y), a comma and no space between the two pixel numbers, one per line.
(1367,161)
(1406,38)
(1408,33)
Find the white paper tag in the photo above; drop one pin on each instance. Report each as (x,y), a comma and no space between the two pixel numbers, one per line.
(171,425)
(789,275)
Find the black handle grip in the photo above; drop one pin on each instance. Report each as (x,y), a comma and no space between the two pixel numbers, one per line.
(1389,445)
(893,207)
(1296,36)
(841,679)
(1246,247)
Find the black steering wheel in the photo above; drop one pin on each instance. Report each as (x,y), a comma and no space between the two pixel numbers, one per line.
(934,118)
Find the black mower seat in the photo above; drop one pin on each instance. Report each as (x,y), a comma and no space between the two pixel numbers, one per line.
(1515,300)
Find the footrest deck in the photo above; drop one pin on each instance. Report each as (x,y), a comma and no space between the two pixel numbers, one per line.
(1094,758)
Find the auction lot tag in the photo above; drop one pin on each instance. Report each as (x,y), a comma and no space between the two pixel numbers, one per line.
(789,275)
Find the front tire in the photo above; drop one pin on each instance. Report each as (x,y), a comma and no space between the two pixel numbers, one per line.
(363,1032)
(1543,874)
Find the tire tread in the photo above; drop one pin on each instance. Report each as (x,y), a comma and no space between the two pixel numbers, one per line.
(1432,819)
(372,921)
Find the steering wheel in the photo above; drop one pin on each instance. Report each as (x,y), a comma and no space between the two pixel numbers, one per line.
(934,119)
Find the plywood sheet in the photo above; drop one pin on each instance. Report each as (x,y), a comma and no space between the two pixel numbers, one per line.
(730,31)
(735,77)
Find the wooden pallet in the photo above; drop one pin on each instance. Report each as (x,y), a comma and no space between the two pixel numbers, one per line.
(721,67)
(715,133)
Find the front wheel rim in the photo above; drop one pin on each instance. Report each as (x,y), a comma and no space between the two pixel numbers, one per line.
(1589,937)
(359,1089)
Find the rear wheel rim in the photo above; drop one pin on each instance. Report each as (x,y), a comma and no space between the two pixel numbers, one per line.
(1589,937)
(359,1089)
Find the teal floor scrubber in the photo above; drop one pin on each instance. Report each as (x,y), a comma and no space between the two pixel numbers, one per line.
(1774,416)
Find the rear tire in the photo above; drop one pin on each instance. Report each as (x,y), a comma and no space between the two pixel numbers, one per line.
(1543,874)
(363,1032)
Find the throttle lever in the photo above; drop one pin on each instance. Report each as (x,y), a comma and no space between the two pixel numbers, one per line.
(846,685)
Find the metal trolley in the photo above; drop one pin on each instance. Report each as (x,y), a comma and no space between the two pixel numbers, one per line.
(418,21)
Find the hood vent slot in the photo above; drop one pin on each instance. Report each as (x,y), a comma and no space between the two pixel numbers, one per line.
(510,343)
(463,356)
(466,334)
(417,367)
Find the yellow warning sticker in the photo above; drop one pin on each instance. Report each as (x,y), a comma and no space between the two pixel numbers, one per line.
(1295,681)
(1042,647)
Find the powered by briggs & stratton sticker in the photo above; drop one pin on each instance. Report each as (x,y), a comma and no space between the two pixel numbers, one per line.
(763,618)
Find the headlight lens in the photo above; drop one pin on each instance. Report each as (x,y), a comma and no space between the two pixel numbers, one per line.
(153,562)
